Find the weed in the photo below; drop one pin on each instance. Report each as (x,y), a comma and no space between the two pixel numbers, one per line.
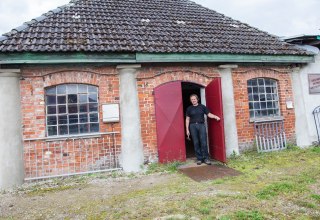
(306,204)
(244,215)
(316,149)
(168,168)
(316,197)
(234,155)
(40,191)
(291,146)
(218,181)
(274,190)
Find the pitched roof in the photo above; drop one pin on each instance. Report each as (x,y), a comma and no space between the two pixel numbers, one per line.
(168,26)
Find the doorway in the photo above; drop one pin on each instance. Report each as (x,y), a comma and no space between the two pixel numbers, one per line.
(187,90)
(171,101)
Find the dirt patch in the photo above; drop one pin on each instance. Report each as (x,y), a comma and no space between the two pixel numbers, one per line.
(32,201)
(212,172)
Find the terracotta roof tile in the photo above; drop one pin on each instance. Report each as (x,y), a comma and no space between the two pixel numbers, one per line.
(167,26)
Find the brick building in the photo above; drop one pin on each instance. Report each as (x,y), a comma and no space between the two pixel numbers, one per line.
(69,72)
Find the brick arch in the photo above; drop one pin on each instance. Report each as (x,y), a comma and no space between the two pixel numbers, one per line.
(47,87)
(65,77)
(192,77)
(199,84)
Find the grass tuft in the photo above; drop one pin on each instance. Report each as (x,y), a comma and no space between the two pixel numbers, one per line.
(316,197)
(275,189)
(244,215)
(166,168)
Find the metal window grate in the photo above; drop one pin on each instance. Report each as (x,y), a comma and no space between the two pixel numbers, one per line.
(48,159)
(316,115)
(270,136)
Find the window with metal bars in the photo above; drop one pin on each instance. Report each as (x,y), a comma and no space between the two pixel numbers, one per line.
(72,109)
(263,98)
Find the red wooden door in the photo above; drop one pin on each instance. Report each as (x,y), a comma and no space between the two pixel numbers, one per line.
(170,122)
(217,147)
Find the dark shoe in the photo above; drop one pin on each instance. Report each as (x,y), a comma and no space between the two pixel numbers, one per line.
(207,161)
(199,162)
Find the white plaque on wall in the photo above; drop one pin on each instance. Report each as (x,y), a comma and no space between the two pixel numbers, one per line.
(314,83)
(110,113)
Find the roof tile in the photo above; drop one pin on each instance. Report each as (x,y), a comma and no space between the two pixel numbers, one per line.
(141,26)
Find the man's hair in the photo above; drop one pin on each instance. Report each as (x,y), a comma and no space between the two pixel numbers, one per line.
(194,96)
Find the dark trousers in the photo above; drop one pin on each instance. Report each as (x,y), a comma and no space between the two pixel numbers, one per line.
(199,137)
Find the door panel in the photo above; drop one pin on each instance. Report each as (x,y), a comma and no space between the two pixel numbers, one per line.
(170,122)
(217,147)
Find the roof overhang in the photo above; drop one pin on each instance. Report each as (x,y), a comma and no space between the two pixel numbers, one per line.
(116,58)
(312,40)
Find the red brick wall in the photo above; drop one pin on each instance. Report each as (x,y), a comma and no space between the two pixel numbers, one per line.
(152,76)
(37,78)
(244,127)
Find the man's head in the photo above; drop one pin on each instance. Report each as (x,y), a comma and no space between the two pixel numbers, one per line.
(194,99)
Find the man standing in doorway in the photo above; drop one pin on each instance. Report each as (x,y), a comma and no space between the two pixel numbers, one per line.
(195,122)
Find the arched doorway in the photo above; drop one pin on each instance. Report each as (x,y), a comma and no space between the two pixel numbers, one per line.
(171,100)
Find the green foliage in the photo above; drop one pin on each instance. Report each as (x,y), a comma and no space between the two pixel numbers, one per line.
(205,206)
(291,146)
(306,204)
(316,197)
(167,168)
(275,189)
(244,215)
(234,155)
(316,149)
(44,190)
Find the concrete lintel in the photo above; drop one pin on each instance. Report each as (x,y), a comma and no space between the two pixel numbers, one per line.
(128,66)
(228,66)
(296,69)
(10,73)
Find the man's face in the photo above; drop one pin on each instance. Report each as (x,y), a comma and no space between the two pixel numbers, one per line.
(194,100)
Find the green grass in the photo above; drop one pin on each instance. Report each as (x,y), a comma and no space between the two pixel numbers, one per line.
(244,215)
(276,185)
(168,168)
(275,189)
(316,197)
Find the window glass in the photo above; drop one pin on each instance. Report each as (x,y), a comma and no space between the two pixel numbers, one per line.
(263,97)
(72,109)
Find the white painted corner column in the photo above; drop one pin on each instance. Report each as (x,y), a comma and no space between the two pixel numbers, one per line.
(11,146)
(301,122)
(131,157)
(230,123)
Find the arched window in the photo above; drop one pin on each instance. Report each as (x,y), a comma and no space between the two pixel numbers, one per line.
(72,109)
(263,97)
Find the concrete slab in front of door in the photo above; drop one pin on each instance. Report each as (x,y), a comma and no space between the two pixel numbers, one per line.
(207,172)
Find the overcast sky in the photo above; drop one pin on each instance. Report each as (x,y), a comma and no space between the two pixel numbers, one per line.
(278,17)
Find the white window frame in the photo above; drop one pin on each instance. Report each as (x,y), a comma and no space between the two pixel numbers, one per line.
(263,98)
(86,116)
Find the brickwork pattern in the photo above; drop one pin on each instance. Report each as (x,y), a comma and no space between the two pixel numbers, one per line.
(36,80)
(244,127)
(152,76)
